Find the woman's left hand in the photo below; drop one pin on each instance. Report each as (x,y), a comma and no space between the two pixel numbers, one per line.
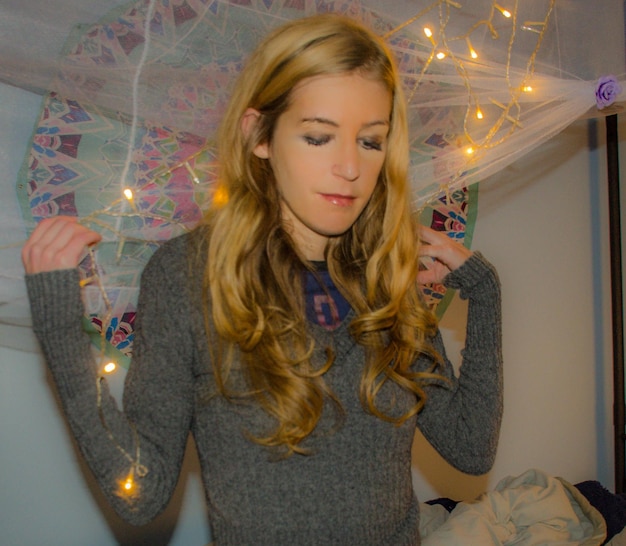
(447,255)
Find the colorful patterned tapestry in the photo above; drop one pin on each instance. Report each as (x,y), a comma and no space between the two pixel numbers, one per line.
(83,158)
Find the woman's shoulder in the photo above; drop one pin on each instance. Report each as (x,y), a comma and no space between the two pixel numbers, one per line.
(180,254)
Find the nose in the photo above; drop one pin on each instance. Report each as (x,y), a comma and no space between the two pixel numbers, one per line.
(347,162)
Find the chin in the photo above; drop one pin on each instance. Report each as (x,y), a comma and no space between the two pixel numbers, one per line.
(335,231)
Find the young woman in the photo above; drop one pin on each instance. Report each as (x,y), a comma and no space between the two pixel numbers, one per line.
(287,332)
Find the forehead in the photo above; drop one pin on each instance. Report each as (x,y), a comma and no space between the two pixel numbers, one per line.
(342,97)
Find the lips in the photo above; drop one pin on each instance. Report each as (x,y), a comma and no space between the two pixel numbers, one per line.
(339,200)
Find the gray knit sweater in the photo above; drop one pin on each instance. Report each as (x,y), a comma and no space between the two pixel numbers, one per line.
(354,489)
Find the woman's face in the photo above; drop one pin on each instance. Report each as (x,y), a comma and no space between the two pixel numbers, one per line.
(326,153)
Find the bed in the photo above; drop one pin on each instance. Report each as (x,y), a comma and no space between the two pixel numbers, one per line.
(530,509)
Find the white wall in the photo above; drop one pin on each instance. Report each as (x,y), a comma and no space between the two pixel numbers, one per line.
(542,222)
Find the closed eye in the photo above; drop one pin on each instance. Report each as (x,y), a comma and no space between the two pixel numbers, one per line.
(372,144)
(317,141)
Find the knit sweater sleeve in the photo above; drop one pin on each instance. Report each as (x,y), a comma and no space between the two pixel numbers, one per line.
(148,437)
(462,416)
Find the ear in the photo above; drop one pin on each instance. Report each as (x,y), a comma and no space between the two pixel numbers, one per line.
(248,123)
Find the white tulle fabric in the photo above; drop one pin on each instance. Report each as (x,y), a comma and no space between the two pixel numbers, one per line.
(178,77)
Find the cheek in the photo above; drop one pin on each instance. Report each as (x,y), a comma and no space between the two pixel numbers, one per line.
(373,169)
(288,177)
(293,170)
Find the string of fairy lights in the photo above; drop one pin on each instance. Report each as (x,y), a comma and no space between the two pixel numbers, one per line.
(441,48)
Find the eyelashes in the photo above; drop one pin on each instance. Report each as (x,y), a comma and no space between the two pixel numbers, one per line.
(317,141)
(366,143)
(369,144)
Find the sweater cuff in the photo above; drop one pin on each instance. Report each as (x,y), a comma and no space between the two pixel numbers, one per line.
(55,299)
(473,272)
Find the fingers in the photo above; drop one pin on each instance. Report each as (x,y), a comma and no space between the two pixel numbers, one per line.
(57,243)
(428,276)
(445,251)
(430,236)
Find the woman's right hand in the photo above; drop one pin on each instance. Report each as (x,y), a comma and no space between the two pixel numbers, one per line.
(57,243)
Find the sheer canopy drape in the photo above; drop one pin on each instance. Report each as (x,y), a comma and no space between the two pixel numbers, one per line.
(486,83)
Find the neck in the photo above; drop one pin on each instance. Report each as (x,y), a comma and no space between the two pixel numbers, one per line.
(312,247)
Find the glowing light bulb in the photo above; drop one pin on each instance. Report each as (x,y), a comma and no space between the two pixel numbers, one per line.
(220,196)
(469,150)
(479,113)
(192,173)
(505,12)
(110,367)
(128,484)
(441,55)
(429,34)
(128,193)
(527,89)
(471,50)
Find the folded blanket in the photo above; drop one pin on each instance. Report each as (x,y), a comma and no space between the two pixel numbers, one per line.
(529,510)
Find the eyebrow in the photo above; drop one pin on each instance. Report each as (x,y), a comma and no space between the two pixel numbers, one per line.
(332,123)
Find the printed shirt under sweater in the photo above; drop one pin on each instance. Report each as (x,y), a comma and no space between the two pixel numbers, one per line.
(354,489)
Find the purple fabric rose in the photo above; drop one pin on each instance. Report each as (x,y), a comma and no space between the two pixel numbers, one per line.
(607,90)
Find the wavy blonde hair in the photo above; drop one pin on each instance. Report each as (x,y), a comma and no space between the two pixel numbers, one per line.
(253,277)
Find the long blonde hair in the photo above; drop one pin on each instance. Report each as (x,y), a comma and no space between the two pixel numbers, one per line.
(253,277)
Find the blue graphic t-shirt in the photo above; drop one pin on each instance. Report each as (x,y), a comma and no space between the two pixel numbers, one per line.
(324,303)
